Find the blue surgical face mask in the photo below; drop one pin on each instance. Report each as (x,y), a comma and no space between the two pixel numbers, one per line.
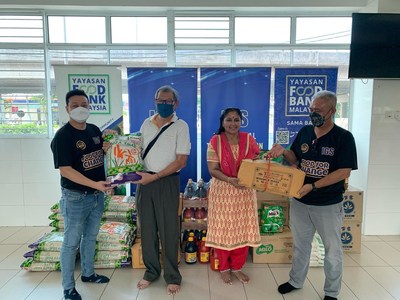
(165,110)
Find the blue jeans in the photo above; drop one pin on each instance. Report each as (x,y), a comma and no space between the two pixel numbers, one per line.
(82,214)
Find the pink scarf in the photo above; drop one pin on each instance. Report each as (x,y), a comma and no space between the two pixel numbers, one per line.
(248,148)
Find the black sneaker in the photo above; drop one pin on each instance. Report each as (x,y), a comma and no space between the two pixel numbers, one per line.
(72,294)
(95,278)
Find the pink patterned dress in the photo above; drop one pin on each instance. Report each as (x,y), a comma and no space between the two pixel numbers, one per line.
(232,220)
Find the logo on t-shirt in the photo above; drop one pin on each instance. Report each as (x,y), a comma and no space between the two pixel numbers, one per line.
(80,145)
(304,148)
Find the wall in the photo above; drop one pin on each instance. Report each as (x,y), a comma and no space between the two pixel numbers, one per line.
(382,208)
(29,184)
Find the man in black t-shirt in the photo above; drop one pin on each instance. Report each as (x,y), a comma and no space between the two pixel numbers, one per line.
(327,154)
(78,154)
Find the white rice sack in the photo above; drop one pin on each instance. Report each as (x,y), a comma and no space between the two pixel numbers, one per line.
(124,156)
(107,246)
(55,208)
(49,242)
(30,265)
(112,264)
(56,216)
(116,232)
(120,216)
(43,256)
(112,255)
(119,203)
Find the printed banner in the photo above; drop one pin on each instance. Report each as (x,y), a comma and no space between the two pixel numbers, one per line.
(294,89)
(103,86)
(244,88)
(142,85)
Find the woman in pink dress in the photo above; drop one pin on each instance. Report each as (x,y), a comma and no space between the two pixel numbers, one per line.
(232,224)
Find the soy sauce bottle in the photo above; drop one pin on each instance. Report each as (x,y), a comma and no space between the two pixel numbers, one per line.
(191,251)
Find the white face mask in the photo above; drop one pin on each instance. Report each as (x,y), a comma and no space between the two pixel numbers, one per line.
(79,114)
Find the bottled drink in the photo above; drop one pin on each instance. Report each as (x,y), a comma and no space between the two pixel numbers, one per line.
(201,191)
(189,189)
(188,214)
(190,251)
(203,252)
(199,214)
(214,261)
(185,237)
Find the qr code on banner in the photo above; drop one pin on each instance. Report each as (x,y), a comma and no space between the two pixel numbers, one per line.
(282,137)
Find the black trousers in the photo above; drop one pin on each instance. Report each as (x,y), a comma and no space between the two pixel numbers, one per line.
(157,205)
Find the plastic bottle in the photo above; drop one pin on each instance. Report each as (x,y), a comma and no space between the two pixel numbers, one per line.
(190,251)
(214,261)
(188,214)
(189,189)
(199,214)
(201,191)
(203,252)
(185,237)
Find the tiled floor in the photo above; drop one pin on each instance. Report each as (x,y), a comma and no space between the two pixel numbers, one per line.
(374,274)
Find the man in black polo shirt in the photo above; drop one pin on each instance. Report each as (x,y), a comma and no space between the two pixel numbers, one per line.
(327,154)
(78,154)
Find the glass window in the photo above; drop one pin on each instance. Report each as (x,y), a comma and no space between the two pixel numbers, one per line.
(139,58)
(262,30)
(21,29)
(139,30)
(23,107)
(202,30)
(195,58)
(323,30)
(256,58)
(84,30)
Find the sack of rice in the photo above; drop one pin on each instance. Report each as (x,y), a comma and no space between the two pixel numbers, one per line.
(124,156)
(49,242)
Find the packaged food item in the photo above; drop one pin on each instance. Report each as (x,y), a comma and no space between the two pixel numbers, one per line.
(271,218)
(124,156)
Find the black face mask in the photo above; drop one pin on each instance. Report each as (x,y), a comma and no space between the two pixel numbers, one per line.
(317,120)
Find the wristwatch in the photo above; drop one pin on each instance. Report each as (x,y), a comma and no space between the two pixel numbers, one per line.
(314,188)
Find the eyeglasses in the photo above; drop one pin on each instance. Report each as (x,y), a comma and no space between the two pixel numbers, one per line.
(167,101)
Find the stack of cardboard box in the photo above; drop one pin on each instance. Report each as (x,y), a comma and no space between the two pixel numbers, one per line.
(353,213)
(278,247)
(275,247)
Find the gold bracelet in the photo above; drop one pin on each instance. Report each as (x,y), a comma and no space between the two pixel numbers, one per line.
(229,180)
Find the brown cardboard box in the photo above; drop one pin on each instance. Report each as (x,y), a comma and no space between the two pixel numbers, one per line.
(272,177)
(351,237)
(137,258)
(353,205)
(274,249)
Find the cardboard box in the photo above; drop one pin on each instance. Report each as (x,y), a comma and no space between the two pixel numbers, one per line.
(272,177)
(353,204)
(274,249)
(351,237)
(137,258)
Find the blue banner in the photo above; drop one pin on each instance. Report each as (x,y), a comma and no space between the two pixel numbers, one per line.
(142,85)
(244,88)
(294,89)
